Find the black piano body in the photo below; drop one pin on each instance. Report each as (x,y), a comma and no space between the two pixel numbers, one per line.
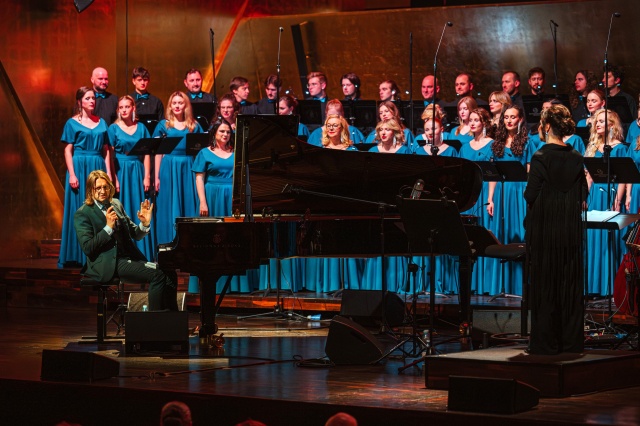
(267,222)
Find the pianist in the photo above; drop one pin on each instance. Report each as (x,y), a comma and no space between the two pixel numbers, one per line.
(105,233)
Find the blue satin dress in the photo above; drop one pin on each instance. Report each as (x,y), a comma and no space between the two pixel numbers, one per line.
(599,270)
(510,228)
(481,279)
(88,145)
(130,173)
(177,196)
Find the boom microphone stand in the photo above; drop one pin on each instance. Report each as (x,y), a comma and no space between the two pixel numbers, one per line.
(278,82)
(435,149)
(607,156)
(554,36)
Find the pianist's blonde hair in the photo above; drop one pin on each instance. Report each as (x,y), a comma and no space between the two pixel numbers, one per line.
(91,184)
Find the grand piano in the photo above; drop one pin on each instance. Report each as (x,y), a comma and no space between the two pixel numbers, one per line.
(284,205)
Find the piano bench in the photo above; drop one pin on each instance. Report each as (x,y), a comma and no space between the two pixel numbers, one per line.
(514,252)
(103,288)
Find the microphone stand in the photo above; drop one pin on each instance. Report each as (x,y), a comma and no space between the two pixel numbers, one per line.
(435,149)
(411,82)
(607,155)
(213,63)
(554,35)
(278,82)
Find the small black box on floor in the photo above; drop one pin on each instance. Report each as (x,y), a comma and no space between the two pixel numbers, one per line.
(350,343)
(365,307)
(156,333)
(495,322)
(488,395)
(74,366)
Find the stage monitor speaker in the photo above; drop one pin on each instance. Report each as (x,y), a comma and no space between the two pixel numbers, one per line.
(364,307)
(350,343)
(490,395)
(74,366)
(156,332)
(82,4)
(138,299)
(495,322)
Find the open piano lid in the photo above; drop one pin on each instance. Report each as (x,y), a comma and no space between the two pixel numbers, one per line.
(275,158)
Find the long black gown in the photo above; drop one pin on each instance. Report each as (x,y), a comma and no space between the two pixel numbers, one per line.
(555,190)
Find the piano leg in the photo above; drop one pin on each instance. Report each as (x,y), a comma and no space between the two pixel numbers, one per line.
(465,271)
(208,308)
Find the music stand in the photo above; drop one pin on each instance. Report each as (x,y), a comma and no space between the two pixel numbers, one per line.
(533,105)
(366,116)
(623,170)
(153,146)
(311,112)
(195,142)
(489,171)
(150,121)
(204,113)
(435,227)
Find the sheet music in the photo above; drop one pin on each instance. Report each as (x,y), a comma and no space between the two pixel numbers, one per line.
(600,216)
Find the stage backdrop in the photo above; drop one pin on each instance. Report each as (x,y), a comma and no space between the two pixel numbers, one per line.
(50,49)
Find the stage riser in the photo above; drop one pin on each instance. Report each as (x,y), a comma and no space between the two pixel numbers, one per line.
(103,403)
(554,376)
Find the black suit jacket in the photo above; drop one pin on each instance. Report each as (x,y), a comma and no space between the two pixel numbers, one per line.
(101,248)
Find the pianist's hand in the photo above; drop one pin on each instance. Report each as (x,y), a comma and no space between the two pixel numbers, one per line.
(144,214)
(204,210)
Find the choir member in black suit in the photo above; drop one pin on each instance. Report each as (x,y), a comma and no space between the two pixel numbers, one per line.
(106,103)
(317,87)
(536,81)
(350,83)
(389,91)
(193,83)
(511,86)
(616,78)
(464,87)
(267,105)
(146,103)
(239,86)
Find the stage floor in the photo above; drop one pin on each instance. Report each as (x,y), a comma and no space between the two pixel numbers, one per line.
(258,374)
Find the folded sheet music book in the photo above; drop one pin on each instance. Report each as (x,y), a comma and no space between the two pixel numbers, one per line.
(600,216)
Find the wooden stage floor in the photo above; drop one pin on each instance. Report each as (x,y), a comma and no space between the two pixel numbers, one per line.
(259,374)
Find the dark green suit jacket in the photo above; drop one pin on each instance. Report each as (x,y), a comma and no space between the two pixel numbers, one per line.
(100,247)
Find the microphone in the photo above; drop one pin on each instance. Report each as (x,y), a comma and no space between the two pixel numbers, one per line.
(211,31)
(450,24)
(616,14)
(281,29)
(416,192)
(554,23)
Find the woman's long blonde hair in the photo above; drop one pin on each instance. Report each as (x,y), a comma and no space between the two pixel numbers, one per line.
(344,134)
(614,126)
(190,122)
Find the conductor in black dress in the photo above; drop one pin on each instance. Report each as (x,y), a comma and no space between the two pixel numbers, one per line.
(556,192)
